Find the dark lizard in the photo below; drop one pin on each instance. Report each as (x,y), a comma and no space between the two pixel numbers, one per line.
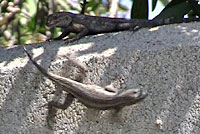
(95,96)
(84,25)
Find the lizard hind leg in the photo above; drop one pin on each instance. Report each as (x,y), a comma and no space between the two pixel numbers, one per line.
(52,109)
(116,115)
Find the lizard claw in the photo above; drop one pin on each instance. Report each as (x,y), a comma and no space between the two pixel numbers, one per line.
(50,39)
(69,40)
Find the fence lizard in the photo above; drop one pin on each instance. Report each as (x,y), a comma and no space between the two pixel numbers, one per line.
(90,25)
(95,96)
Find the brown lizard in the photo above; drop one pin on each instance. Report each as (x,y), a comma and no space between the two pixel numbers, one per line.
(95,96)
(90,25)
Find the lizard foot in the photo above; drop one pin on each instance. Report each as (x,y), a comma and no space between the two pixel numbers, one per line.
(50,39)
(69,40)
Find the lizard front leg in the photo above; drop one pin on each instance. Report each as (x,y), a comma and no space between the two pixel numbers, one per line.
(84,32)
(64,34)
(63,106)
(110,88)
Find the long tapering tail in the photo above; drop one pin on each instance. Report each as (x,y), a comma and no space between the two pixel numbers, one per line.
(158,22)
(41,69)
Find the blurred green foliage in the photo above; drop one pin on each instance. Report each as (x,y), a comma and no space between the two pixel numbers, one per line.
(23,21)
(175,9)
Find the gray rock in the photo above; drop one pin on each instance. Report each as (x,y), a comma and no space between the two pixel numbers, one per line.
(163,61)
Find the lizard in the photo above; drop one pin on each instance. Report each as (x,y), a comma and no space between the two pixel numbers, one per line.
(94,96)
(84,25)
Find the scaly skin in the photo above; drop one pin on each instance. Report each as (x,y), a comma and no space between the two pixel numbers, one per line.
(93,95)
(90,25)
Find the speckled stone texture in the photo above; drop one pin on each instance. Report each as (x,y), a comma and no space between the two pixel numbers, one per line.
(165,61)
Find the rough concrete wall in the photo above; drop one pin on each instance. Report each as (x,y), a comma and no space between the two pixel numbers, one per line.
(165,61)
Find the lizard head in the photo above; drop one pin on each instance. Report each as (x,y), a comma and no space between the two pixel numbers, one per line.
(132,96)
(60,19)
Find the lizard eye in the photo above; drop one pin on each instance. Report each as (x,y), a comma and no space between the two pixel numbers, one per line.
(135,91)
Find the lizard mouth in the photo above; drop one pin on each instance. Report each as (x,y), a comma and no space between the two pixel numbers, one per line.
(51,25)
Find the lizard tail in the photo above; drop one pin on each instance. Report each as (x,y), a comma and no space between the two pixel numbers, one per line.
(158,22)
(42,70)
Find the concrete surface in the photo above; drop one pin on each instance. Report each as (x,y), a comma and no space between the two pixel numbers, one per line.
(165,61)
